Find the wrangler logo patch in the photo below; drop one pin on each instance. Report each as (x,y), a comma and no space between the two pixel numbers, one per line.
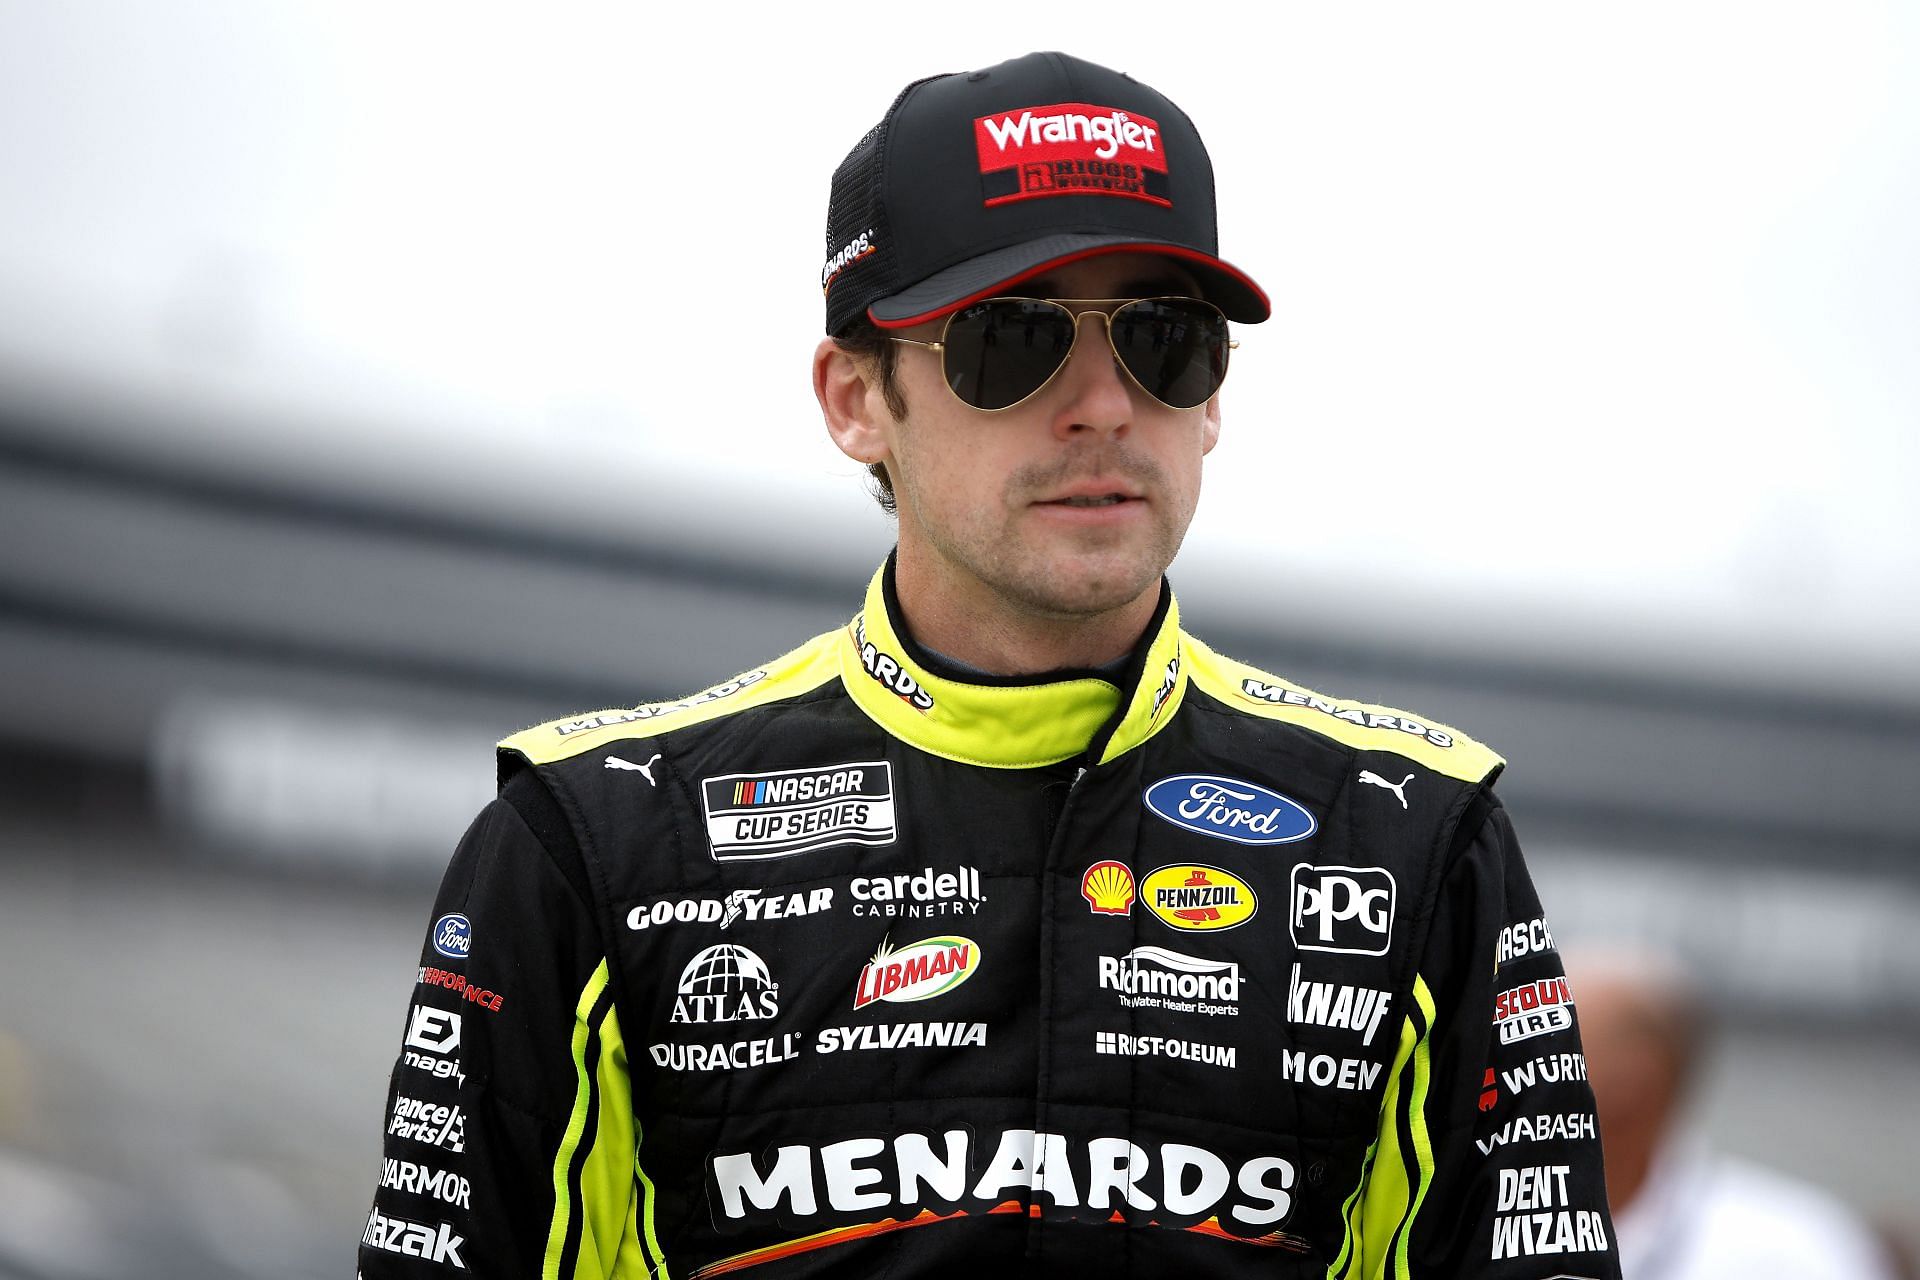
(1070,149)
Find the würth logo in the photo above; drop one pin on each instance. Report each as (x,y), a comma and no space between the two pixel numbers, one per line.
(1070,149)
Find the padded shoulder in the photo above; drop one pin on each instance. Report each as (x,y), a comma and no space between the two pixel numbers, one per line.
(804,669)
(1362,725)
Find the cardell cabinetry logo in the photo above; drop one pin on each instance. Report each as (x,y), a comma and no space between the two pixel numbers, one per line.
(1229,809)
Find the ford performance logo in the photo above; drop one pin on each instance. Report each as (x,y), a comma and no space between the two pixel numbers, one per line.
(453,936)
(1229,809)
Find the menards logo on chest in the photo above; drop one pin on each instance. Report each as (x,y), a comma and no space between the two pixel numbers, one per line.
(918,971)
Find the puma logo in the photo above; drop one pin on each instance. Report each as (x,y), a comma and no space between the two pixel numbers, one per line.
(615,762)
(1373,779)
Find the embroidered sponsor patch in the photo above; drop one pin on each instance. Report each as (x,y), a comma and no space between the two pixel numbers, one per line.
(1200,898)
(777,815)
(1070,149)
(1229,809)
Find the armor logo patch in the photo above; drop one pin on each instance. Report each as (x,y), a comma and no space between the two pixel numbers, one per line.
(1108,888)
(751,816)
(1193,897)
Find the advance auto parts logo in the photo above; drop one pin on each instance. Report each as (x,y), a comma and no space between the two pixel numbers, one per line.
(1070,149)
(725,983)
(1229,809)
(1190,896)
(776,815)
(919,971)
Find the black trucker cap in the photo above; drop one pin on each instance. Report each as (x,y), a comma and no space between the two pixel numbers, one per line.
(977,180)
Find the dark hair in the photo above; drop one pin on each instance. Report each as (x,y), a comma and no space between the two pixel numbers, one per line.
(864,341)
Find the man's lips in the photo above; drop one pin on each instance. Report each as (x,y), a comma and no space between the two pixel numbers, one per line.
(1093,496)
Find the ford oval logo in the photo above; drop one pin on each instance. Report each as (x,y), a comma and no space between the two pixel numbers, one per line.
(453,936)
(1229,809)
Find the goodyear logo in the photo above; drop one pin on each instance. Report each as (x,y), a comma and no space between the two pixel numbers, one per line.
(1190,896)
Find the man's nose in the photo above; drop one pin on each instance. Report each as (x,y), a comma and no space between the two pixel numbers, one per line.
(1099,393)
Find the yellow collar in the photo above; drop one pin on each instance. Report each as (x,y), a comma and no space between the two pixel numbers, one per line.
(1010,723)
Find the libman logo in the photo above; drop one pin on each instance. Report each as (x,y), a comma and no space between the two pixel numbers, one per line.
(1194,897)
(918,971)
(1071,148)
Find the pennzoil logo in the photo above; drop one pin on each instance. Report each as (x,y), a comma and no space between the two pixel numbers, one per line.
(1070,149)
(918,971)
(1200,898)
(1108,888)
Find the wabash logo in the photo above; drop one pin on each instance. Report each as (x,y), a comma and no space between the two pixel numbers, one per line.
(1070,149)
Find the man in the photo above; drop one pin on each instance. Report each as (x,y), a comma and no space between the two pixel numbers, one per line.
(1685,1211)
(1008,929)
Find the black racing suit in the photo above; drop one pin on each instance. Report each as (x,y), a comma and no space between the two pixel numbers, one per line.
(845,967)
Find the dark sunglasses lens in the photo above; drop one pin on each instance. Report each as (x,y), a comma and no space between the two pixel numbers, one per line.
(1001,351)
(1176,348)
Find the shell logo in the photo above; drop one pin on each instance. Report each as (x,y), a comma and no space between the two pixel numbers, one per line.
(1108,888)
(1190,896)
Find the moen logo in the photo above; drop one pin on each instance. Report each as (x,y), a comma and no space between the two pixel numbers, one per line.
(1108,888)
(918,971)
(1190,896)
(1229,809)
(725,983)
(1343,909)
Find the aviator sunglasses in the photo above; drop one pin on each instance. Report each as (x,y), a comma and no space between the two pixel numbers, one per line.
(1000,352)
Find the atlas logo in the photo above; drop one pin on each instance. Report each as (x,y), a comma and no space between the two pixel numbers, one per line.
(918,971)
(1108,888)
(1194,897)
(725,983)
(453,935)
(1229,809)
(1342,909)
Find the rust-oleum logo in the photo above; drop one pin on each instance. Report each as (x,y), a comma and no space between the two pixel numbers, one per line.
(1071,149)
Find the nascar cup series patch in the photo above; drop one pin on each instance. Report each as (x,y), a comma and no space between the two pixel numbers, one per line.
(791,811)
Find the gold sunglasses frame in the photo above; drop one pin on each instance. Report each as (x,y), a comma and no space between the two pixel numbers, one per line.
(1088,307)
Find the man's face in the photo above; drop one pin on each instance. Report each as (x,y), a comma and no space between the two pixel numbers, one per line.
(1071,503)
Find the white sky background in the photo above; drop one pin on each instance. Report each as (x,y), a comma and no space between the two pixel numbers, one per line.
(1608,313)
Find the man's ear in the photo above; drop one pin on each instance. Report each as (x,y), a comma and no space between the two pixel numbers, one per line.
(851,402)
(1210,432)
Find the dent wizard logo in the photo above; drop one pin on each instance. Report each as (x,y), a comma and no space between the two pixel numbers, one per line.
(1229,809)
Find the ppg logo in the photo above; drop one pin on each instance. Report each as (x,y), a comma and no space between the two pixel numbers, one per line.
(453,936)
(1346,909)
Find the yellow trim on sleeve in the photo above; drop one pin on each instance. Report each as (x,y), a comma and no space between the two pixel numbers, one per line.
(805,668)
(1381,1211)
(1363,725)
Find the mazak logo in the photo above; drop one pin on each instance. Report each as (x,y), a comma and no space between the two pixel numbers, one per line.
(918,971)
(753,816)
(1229,809)
(433,1123)
(453,935)
(910,896)
(1536,1009)
(1156,978)
(888,672)
(1343,909)
(1071,148)
(725,983)
(435,1243)
(741,904)
(651,710)
(1108,888)
(1193,897)
(1280,696)
(854,250)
